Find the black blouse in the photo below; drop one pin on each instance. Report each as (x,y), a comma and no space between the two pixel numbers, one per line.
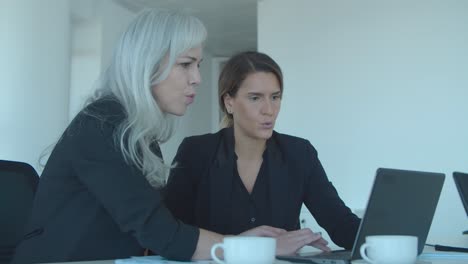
(204,188)
(249,210)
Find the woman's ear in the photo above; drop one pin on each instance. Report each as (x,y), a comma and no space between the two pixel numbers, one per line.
(228,103)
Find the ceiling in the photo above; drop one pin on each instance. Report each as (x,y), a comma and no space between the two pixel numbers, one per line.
(231,24)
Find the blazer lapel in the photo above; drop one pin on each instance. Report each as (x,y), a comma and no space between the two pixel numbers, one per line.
(221,175)
(279,184)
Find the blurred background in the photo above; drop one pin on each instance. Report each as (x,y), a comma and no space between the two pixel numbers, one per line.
(370,83)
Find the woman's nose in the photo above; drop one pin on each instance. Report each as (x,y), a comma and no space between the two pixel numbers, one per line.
(195,78)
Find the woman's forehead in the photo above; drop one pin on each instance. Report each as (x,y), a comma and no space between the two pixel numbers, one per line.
(261,82)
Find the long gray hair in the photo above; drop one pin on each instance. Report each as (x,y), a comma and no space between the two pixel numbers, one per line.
(144,57)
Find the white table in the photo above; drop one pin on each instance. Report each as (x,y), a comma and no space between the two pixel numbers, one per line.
(434,261)
(429,256)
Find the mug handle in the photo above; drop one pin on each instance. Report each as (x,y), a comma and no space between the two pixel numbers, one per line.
(213,252)
(363,253)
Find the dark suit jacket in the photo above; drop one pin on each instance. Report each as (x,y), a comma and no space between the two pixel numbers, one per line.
(90,204)
(198,190)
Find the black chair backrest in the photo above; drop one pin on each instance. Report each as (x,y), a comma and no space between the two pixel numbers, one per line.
(18,183)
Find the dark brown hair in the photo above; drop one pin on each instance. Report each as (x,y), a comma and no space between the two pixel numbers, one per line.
(237,69)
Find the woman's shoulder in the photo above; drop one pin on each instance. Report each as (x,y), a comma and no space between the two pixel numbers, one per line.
(102,115)
(106,109)
(92,130)
(205,138)
(208,143)
(289,138)
(293,143)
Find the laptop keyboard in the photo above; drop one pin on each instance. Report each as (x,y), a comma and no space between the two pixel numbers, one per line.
(335,254)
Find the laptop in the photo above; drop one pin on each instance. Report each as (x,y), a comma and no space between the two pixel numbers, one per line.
(461,181)
(401,203)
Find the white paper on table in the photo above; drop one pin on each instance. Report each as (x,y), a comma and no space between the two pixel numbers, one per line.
(155,260)
(443,255)
(161,260)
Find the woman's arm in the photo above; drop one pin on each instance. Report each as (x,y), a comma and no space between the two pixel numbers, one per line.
(205,241)
(180,192)
(323,201)
(286,242)
(125,194)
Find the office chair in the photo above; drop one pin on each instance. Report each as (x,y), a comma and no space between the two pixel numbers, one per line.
(18,182)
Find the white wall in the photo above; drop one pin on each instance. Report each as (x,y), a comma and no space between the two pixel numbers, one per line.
(95,30)
(376,84)
(85,62)
(34,76)
(114,20)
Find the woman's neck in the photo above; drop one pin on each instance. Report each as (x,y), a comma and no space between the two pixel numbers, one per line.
(247,147)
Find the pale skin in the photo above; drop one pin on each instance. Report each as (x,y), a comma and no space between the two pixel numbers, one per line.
(173,95)
(255,108)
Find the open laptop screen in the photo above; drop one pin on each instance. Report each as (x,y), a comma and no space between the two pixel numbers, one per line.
(401,202)
(461,181)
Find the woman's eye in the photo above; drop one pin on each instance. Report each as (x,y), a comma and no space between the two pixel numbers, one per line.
(276,97)
(185,64)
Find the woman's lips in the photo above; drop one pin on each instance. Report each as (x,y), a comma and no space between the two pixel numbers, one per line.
(190,99)
(267,125)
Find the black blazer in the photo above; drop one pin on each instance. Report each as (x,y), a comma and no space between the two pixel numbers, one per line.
(198,190)
(90,204)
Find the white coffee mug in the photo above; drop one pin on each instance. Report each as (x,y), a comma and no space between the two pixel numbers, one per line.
(246,250)
(390,249)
